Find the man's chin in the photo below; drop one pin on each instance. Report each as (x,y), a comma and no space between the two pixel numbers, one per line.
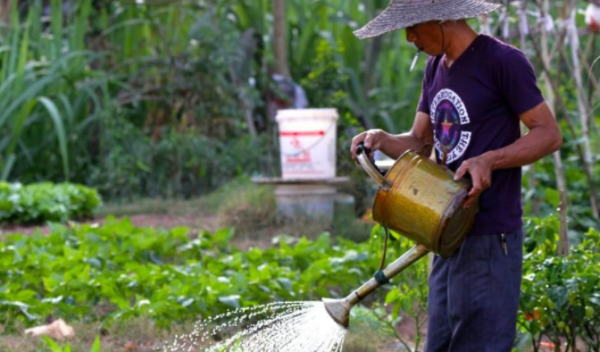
(430,53)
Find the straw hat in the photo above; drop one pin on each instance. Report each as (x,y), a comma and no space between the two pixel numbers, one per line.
(405,13)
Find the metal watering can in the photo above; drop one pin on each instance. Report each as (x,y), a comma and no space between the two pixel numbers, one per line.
(419,199)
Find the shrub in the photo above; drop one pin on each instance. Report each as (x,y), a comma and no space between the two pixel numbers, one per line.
(180,164)
(560,298)
(41,202)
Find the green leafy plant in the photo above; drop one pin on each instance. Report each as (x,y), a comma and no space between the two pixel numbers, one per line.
(561,295)
(42,202)
(117,271)
(51,93)
(407,295)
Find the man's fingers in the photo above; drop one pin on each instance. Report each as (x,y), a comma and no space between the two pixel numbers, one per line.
(369,141)
(355,141)
(352,151)
(469,201)
(475,191)
(460,173)
(477,187)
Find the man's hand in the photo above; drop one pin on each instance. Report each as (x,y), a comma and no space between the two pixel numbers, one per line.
(372,139)
(544,138)
(394,145)
(480,169)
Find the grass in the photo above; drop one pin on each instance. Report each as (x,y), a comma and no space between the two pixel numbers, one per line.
(154,206)
(237,194)
(251,209)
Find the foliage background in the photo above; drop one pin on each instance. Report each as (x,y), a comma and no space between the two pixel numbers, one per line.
(160,98)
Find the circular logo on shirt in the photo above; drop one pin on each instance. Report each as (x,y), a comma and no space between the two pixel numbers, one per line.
(448,116)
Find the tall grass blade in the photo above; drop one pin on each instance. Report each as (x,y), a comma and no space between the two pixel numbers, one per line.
(13,53)
(35,15)
(23,56)
(60,132)
(56,22)
(18,124)
(7,167)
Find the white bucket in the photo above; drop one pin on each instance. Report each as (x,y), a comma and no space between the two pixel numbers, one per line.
(307,142)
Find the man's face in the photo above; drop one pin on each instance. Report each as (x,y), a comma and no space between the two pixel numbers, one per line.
(426,36)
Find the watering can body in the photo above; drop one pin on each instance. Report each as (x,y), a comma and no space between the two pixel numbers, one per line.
(420,199)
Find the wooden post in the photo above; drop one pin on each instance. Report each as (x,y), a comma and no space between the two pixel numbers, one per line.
(279,39)
(5,9)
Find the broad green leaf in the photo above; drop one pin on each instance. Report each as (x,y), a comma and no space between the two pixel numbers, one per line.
(232,301)
(96,345)
(54,347)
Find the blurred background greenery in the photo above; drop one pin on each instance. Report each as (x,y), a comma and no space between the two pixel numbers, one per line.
(171,98)
(151,98)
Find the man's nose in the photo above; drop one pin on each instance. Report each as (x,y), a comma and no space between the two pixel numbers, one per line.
(410,37)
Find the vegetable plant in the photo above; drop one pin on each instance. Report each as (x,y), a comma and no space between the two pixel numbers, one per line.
(41,202)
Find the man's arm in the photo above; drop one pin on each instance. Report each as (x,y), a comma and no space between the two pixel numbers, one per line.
(394,145)
(544,138)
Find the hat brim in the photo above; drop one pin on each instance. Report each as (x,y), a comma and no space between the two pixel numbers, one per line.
(402,14)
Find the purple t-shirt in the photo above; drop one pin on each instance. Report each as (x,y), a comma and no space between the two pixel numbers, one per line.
(474,107)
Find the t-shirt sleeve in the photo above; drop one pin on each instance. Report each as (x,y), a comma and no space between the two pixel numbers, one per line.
(518,82)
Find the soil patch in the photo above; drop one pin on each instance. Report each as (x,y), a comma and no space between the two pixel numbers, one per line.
(201,222)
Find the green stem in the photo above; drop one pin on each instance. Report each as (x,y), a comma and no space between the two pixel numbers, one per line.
(393,329)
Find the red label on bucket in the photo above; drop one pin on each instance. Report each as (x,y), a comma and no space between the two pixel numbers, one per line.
(302,134)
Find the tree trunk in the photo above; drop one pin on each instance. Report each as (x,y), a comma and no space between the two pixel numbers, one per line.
(5,9)
(279,39)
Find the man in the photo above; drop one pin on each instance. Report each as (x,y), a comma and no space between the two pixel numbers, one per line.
(476,89)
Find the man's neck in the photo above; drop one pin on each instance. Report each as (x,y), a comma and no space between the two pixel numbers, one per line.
(458,38)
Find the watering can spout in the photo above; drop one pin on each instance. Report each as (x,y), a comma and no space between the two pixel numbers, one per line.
(339,309)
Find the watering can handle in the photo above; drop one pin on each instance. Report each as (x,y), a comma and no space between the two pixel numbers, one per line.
(426,150)
(371,169)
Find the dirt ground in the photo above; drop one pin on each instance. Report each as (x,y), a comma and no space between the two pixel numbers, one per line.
(204,222)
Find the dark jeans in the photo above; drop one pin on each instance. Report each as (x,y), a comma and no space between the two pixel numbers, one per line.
(474,296)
